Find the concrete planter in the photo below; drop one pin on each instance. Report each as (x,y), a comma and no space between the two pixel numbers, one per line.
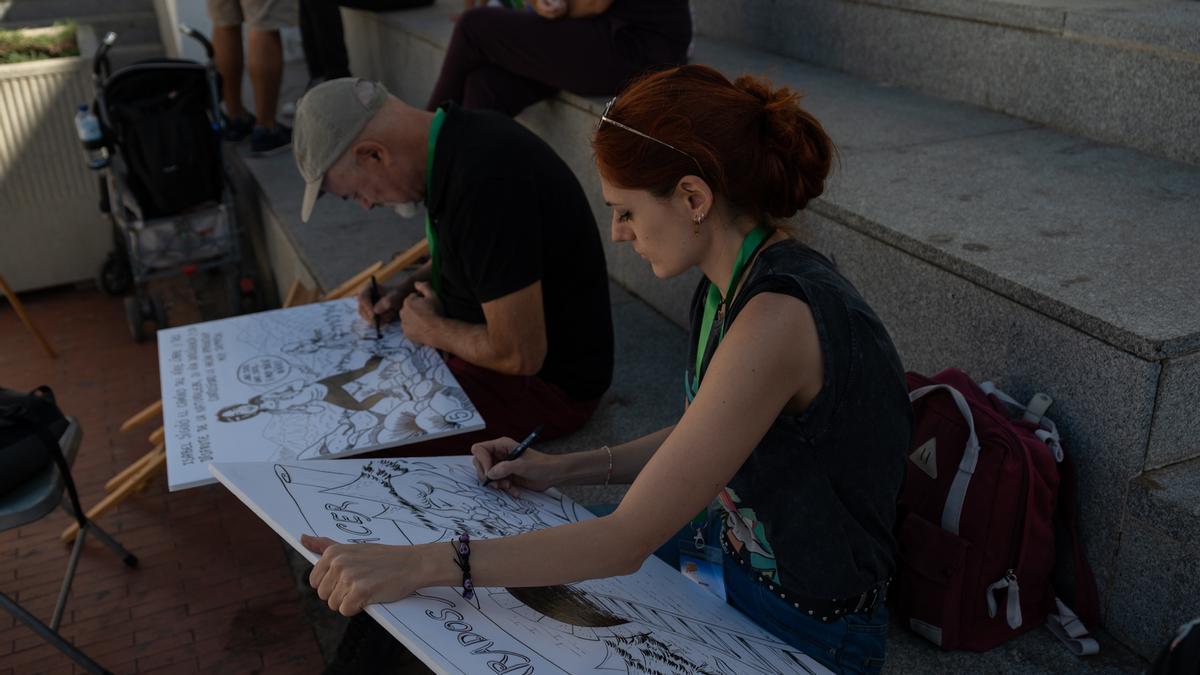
(51,230)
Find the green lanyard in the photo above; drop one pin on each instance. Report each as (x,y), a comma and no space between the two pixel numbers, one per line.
(749,245)
(434,263)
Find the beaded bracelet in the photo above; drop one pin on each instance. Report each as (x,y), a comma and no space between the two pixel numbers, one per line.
(462,558)
(608,477)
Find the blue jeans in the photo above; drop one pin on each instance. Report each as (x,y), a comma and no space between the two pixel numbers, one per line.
(853,644)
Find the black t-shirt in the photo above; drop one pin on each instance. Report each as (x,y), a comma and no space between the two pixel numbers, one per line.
(507,212)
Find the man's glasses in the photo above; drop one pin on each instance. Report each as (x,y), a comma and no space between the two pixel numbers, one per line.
(605,118)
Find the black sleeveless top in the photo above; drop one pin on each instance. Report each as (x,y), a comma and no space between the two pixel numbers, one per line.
(813,508)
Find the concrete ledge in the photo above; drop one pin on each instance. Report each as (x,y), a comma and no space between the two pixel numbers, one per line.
(1036,215)
(1161,549)
(1121,71)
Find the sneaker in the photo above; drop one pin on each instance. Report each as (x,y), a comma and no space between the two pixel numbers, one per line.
(237,128)
(264,143)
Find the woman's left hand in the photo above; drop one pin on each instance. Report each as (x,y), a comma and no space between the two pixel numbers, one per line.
(351,576)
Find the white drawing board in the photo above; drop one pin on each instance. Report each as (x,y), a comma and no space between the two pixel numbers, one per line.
(653,621)
(299,383)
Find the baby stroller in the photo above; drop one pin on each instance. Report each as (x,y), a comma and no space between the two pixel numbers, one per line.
(163,180)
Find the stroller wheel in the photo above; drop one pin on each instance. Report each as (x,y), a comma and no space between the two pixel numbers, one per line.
(115,277)
(135,318)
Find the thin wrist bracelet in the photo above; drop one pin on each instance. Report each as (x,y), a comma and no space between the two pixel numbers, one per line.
(608,477)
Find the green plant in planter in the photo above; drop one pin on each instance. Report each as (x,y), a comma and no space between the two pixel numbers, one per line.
(32,44)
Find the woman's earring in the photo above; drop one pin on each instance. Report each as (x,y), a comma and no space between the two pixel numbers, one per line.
(698,219)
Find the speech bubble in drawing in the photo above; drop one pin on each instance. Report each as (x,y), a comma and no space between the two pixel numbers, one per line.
(262,371)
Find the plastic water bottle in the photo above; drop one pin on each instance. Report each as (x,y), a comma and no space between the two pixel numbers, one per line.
(87,126)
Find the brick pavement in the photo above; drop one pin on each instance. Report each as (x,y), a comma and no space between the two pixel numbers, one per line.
(214,592)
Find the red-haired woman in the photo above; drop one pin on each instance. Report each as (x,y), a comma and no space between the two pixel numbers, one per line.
(798,416)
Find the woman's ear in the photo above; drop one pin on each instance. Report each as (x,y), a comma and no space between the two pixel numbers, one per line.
(697,195)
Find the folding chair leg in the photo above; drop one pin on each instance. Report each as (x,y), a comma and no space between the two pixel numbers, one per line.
(68,579)
(105,538)
(51,636)
(126,557)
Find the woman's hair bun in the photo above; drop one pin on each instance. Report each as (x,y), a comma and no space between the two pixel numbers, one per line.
(796,153)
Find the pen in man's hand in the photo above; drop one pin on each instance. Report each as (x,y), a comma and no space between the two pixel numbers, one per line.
(374,301)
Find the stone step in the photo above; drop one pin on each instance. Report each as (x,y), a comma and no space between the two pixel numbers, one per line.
(1121,71)
(1158,566)
(45,11)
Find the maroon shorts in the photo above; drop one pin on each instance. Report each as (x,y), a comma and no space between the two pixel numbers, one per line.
(511,405)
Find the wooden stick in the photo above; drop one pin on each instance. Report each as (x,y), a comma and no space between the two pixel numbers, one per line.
(140,485)
(308,296)
(351,286)
(292,293)
(115,482)
(412,255)
(148,412)
(119,495)
(12,298)
(156,436)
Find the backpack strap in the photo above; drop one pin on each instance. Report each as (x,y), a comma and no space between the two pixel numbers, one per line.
(1035,412)
(23,418)
(1070,628)
(1086,598)
(952,512)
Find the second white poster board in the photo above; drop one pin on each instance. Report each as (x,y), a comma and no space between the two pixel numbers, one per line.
(299,383)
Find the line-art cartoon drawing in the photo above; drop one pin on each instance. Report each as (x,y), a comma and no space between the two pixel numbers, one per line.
(653,621)
(301,383)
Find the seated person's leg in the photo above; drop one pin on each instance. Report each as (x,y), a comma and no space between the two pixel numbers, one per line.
(493,88)
(511,405)
(577,55)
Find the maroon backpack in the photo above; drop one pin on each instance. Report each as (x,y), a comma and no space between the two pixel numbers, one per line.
(976,520)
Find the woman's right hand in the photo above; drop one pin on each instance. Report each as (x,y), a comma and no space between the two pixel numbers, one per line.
(533,470)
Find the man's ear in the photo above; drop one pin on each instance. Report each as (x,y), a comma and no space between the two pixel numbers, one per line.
(369,153)
(696,193)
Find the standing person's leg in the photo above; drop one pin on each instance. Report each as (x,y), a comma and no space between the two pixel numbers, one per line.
(574,54)
(324,43)
(335,62)
(265,63)
(226,16)
(310,23)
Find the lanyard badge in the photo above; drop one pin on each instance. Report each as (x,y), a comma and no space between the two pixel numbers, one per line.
(713,302)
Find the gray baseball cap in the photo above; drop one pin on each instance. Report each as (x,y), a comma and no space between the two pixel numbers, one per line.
(328,119)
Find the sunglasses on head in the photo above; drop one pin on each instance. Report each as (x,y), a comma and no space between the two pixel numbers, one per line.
(605,118)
